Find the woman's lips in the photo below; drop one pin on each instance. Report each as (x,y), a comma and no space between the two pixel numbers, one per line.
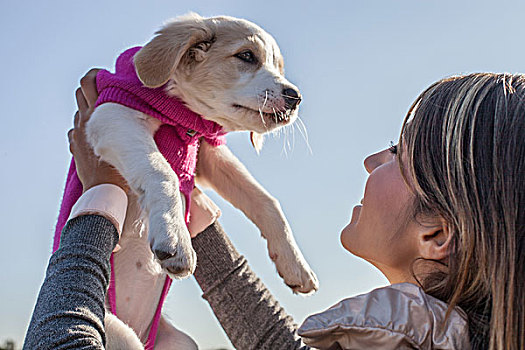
(355,213)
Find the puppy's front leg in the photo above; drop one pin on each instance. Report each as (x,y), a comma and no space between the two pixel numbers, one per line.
(123,137)
(218,168)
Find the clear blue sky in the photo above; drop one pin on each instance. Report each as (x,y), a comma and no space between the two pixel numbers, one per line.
(359,65)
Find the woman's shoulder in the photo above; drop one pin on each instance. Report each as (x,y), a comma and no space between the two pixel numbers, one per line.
(400,316)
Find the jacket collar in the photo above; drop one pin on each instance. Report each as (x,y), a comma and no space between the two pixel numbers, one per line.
(395,317)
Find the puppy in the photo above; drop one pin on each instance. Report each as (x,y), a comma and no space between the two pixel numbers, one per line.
(228,75)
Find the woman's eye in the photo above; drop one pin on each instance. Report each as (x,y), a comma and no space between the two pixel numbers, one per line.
(392,148)
(246,56)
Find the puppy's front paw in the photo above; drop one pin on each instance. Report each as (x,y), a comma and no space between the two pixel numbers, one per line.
(179,262)
(293,268)
(170,242)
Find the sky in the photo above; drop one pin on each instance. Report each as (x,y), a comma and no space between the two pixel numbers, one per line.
(359,65)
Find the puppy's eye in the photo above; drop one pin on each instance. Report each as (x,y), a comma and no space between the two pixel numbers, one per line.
(246,56)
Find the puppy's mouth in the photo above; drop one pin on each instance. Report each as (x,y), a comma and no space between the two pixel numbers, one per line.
(278,117)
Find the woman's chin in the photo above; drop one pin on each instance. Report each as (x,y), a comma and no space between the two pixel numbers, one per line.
(346,237)
(349,233)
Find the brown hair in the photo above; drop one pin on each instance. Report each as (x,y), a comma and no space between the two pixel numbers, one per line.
(464,138)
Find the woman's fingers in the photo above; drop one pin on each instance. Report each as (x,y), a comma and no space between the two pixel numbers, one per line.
(70,137)
(76,120)
(90,169)
(86,96)
(82,103)
(88,84)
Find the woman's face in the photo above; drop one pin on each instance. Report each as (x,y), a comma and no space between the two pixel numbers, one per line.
(381,229)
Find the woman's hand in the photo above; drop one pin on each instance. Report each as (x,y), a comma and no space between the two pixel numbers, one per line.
(203,212)
(90,169)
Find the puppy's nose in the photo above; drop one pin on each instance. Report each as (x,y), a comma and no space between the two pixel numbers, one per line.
(292,98)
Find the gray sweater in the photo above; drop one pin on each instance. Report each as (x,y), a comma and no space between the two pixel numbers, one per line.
(69,312)
(247,311)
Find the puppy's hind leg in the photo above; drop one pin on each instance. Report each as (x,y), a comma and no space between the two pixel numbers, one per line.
(169,337)
(119,336)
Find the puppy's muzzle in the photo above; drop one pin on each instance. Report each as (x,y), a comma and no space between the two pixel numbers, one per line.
(292,98)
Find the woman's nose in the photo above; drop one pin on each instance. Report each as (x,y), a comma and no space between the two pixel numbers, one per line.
(377,159)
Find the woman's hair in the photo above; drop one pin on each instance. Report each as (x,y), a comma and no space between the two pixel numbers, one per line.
(464,138)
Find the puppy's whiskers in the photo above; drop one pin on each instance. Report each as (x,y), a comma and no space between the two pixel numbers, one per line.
(286,141)
(284,150)
(261,109)
(265,99)
(292,127)
(262,119)
(302,129)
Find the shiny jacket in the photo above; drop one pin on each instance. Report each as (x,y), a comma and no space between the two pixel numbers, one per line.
(400,316)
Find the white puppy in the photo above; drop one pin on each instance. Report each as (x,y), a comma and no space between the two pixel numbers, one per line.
(231,72)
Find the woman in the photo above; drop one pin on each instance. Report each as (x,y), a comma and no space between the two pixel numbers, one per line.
(443,217)
(444,210)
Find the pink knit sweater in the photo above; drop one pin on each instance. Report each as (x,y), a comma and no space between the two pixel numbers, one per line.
(177,139)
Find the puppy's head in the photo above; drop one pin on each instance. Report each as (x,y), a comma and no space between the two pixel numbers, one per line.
(226,69)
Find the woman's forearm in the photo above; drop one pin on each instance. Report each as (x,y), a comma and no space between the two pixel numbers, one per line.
(78,274)
(247,311)
(69,313)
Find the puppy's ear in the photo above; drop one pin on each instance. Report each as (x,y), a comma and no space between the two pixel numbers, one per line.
(257,141)
(158,59)
(198,51)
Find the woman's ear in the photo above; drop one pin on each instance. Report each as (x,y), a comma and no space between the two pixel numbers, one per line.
(434,239)
(156,62)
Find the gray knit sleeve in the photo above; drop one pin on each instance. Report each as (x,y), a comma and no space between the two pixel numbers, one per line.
(247,311)
(69,312)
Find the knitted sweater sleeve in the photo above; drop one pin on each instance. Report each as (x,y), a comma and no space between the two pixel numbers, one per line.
(69,312)
(247,311)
